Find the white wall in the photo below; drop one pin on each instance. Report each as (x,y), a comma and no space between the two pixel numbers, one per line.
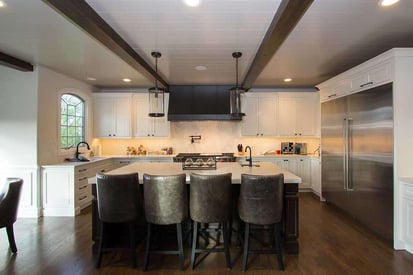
(18,117)
(51,86)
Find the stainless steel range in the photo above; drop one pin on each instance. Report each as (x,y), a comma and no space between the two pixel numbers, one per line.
(218,157)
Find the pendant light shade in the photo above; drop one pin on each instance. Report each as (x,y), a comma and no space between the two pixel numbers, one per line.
(156,94)
(236,92)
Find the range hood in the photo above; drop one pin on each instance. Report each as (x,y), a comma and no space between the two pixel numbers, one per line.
(199,102)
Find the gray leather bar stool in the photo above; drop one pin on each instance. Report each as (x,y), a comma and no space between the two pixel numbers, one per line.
(166,203)
(210,201)
(261,202)
(119,201)
(9,202)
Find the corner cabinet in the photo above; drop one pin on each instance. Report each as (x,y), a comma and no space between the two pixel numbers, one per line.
(297,114)
(112,115)
(260,115)
(146,126)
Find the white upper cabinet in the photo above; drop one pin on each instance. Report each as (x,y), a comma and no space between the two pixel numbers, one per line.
(146,126)
(370,74)
(112,115)
(260,114)
(297,114)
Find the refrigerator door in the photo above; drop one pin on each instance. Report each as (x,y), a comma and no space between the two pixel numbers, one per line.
(333,115)
(370,167)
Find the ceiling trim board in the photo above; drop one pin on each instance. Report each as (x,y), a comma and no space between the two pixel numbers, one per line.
(15,63)
(81,14)
(285,19)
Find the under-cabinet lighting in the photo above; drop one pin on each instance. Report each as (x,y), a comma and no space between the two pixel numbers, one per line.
(126,80)
(192,3)
(386,3)
(288,79)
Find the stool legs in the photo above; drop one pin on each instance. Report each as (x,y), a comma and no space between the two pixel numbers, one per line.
(246,244)
(226,244)
(99,259)
(132,241)
(147,247)
(180,245)
(195,237)
(10,236)
(277,236)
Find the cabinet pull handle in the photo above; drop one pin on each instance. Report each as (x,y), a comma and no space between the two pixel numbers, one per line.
(83,187)
(84,178)
(82,198)
(122,162)
(82,170)
(365,84)
(333,95)
(286,160)
(110,135)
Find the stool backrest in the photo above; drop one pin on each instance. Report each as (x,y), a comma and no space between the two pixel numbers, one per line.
(9,201)
(261,198)
(119,198)
(210,198)
(165,197)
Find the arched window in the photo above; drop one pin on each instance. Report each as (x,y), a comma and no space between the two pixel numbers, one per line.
(72,120)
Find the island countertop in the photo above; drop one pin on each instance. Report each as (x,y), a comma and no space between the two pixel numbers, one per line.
(173,168)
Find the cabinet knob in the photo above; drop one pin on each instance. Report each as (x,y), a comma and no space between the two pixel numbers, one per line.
(149,135)
(114,134)
(110,135)
(295,134)
(262,134)
(258,134)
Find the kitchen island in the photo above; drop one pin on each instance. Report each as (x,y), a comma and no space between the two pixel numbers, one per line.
(291,181)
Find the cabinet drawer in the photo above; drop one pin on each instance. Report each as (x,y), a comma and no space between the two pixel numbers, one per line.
(81,181)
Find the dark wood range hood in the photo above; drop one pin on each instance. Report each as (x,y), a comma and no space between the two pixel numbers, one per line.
(199,102)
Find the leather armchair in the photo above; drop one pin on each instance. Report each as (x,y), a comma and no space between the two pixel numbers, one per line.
(9,202)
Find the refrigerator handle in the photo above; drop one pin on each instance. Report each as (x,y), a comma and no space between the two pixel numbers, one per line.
(345,154)
(349,157)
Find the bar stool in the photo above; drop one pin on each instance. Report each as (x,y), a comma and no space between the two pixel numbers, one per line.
(210,201)
(261,203)
(119,201)
(165,203)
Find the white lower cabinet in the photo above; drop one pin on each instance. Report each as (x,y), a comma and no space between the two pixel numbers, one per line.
(316,176)
(300,166)
(66,190)
(407,215)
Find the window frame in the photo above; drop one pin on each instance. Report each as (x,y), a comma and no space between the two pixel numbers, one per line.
(84,99)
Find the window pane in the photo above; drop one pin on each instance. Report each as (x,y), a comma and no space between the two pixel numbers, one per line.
(71,131)
(63,131)
(63,107)
(63,120)
(71,141)
(79,110)
(63,142)
(79,121)
(79,131)
(71,121)
(71,110)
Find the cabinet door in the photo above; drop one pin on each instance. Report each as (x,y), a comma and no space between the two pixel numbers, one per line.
(143,123)
(103,116)
(287,116)
(303,167)
(122,116)
(267,116)
(316,176)
(305,116)
(249,126)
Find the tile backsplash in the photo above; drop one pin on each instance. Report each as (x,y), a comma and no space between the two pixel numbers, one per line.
(216,136)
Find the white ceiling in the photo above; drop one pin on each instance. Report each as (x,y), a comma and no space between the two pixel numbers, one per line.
(332,36)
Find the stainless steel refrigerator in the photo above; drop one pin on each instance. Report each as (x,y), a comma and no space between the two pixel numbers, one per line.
(357,157)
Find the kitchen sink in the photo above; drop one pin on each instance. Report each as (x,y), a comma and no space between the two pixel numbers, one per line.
(246,163)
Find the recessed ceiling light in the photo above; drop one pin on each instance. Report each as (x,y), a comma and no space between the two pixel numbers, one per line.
(386,3)
(91,78)
(192,3)
(288,79)
(126,80)
(200,68)
(2,4)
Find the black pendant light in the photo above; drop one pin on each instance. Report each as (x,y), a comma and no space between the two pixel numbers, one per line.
(156,94)
(235,92)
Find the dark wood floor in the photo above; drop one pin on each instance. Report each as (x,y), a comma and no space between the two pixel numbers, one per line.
(330,243)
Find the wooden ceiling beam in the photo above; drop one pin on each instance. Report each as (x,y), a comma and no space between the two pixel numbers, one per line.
(15,63)
(81,14)
(285,19)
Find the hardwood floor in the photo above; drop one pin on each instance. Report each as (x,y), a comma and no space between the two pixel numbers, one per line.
(330,243)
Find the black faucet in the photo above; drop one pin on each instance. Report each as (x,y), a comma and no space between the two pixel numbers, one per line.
(77,150)
(250,158)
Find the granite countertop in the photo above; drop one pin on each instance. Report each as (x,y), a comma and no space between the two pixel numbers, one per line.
(173,168)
